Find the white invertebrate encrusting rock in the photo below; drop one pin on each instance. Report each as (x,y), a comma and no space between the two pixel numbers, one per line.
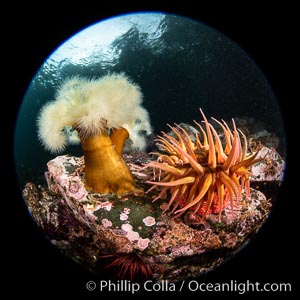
(123,216)
(149,221)
(143,243)
(126,227)
(106,223)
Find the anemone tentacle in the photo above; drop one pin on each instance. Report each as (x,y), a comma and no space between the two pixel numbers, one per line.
(205,173)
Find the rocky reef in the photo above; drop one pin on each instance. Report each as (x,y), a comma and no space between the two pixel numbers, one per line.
(131,237)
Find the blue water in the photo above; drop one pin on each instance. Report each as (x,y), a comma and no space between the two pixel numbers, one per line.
(180,64)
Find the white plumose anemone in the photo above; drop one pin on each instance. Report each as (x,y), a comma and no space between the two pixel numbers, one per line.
(101,114)
(92,106)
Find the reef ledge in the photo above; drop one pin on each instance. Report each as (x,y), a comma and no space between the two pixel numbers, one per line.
(108,231)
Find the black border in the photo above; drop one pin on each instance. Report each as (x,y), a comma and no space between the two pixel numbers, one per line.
(36,267)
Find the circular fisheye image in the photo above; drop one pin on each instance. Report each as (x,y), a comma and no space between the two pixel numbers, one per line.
(151,146)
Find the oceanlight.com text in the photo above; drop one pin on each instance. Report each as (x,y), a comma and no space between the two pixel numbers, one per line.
(239,287)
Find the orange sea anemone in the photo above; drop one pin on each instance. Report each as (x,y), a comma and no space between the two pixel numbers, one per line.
(202,176)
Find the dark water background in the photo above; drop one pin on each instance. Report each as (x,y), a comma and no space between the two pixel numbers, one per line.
(187,66)
(35,267)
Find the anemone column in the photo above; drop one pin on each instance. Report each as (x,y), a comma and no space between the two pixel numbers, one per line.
(105,170)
